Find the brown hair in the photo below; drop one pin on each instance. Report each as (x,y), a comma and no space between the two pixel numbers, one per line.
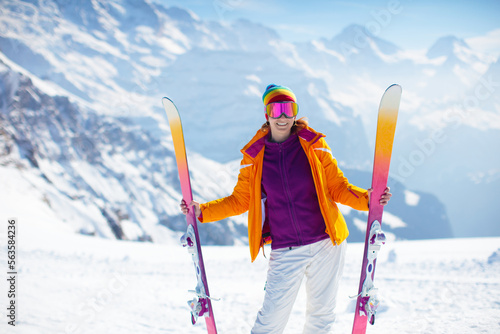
(300,124)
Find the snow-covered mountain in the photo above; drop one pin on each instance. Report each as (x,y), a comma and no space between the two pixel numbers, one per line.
(115,59)
(100,175)
(105,176)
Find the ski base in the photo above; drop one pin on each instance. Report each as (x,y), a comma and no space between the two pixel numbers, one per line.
(367,301)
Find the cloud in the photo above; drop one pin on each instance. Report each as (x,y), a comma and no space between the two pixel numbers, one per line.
(489,43)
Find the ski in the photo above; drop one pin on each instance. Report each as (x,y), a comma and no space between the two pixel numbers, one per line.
(367,301)
(201,304)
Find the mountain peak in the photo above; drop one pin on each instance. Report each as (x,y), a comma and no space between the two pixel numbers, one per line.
(359,37)
(354,29)
(446,46)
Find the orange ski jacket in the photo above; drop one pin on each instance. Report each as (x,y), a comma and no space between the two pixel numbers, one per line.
(331,186)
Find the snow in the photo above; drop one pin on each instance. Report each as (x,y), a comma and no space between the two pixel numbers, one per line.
(411,198)
(360,224)
(320,46)
(71,283)
(328,112)
(393,221)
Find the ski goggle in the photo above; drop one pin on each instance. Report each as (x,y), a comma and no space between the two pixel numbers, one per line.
(276,109)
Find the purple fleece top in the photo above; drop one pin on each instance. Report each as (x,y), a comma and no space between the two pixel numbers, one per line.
(292,207)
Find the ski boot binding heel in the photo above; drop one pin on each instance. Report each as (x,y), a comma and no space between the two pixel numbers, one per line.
(372,305)
(188,240)
(199,304)
(199,308)
(369,304)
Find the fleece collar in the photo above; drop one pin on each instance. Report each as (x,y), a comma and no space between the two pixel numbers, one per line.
(258,142)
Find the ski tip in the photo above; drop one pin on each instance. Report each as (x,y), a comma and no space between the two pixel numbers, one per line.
(394,86)
(168,103)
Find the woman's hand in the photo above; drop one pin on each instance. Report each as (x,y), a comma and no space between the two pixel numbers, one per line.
(384,199)
(194,204)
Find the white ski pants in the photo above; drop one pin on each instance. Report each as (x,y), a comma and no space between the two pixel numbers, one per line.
(322,264)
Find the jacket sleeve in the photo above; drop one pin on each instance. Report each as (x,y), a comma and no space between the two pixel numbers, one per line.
(339,187)
(234,204)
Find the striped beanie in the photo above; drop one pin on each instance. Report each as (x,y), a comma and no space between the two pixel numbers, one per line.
(276,93)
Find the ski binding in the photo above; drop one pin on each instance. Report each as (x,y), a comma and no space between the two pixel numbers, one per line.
(199,308)
(199,304)
(188,240)
(369,301)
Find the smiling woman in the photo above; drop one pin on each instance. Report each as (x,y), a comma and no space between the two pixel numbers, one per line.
(281,111)
(290,184)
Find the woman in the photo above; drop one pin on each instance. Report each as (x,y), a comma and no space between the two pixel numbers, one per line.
(289,182)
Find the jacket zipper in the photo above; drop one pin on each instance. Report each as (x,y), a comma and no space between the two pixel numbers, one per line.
(289,196)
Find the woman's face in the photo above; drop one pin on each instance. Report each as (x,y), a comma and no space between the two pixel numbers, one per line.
(281,127)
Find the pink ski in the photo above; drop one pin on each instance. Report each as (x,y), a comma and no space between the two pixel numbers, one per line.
(201,305)
(367,301)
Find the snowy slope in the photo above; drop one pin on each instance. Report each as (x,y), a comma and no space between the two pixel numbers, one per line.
(78,284)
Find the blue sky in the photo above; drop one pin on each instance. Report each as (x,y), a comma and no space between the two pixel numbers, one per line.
(410,24)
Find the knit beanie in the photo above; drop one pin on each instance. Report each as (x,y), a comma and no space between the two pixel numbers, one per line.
(277,93)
